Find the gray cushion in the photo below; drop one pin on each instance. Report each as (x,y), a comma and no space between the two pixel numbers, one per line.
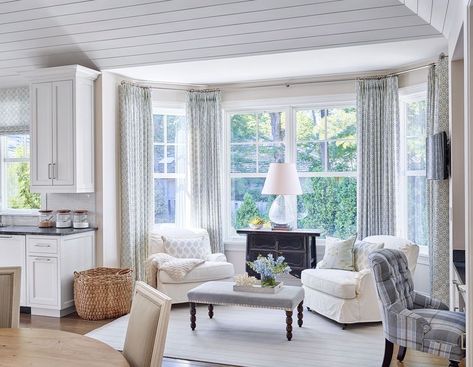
(222,293)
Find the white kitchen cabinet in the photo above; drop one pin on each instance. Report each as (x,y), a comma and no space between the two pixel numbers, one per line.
(13,253)
(52,261)
(62,129)
(42,278)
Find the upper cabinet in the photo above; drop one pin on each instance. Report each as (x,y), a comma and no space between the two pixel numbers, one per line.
(62,129)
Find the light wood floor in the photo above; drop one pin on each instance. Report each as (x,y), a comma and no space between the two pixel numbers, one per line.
(75,324)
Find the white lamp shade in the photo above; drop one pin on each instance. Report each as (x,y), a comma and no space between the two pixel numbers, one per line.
(282,179)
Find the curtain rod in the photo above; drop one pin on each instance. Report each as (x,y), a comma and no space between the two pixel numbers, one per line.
(287,85)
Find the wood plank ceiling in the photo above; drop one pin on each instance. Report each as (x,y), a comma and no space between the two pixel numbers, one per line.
(107,34)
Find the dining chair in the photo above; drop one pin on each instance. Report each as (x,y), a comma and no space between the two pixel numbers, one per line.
(10,297)
(147,327)
(410,319)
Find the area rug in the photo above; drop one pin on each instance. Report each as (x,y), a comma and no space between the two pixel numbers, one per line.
(252,337)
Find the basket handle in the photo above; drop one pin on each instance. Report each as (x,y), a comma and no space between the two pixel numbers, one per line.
(125,271)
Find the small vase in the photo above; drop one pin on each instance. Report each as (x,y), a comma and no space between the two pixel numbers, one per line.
(269,282)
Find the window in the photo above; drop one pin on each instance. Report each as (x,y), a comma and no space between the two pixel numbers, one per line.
(326,162)
(15,169)
(256,140)
(322,143)
(413,185)
(169,166)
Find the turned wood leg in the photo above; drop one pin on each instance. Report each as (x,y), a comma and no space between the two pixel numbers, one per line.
(211,311)
(289,325)
(401,353)
(193,318)
(388,353)
(453,364)
(300,314)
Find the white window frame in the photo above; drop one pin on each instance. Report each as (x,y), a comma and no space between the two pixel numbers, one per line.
(5,210)
(407,95)
(182,196)
(290,108)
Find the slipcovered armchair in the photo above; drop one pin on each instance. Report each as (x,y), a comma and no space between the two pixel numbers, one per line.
(215,266)
(410,319)
(349,297)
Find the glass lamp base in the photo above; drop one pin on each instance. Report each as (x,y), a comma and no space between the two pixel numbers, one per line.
(281,214)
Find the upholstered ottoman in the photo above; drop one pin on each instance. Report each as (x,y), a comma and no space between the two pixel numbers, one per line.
(222,293)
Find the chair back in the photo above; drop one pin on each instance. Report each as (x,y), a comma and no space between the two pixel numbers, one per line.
(392,278)
(10,297)
(147,327)
(410,249)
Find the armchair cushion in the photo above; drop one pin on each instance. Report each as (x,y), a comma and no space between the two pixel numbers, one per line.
(361,251)
(338,283)
(219,257)
(187,248)
(209,270)
(338,254)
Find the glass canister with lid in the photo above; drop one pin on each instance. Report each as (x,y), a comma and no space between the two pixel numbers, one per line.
(46,218)
(64,218)
(80,219)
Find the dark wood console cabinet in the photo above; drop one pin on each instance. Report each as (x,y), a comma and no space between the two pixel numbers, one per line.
(297,246)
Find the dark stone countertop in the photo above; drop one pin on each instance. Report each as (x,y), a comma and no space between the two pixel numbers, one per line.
(19,230)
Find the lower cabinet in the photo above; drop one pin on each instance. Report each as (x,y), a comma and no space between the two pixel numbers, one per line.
(42,280)
(13,253)
(51,263)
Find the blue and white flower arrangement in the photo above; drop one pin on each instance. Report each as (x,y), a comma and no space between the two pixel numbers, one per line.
(268,267)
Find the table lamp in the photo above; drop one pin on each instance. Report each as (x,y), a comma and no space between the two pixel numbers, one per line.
(282,179)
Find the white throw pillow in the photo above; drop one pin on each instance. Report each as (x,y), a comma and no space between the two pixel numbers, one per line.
(361,250)
(187,248)
(338,254)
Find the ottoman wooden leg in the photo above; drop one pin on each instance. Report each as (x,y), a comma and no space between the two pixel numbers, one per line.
(300,314)
(211,311)
(193,318)
(289,325)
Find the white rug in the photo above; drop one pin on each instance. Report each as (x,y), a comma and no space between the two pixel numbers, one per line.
(252,337)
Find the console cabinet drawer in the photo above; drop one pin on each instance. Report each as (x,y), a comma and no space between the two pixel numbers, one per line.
(297,248)
(292,243)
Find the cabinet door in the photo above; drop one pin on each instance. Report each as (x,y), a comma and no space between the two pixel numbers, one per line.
(12,250)
(43,287)
(63,133)
(41,134)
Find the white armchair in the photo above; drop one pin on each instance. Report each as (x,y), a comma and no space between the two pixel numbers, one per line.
(350,296)
(215,266)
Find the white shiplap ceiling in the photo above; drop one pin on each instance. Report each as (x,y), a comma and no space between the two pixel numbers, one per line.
(111,34)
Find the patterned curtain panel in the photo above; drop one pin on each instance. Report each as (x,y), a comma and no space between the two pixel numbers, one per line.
(136,159)
(438,191)
(378,155)
(14,111)
(205,126)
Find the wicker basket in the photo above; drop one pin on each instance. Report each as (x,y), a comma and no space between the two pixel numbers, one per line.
(103,293)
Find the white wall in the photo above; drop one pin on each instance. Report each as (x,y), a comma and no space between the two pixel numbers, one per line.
(107,161)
